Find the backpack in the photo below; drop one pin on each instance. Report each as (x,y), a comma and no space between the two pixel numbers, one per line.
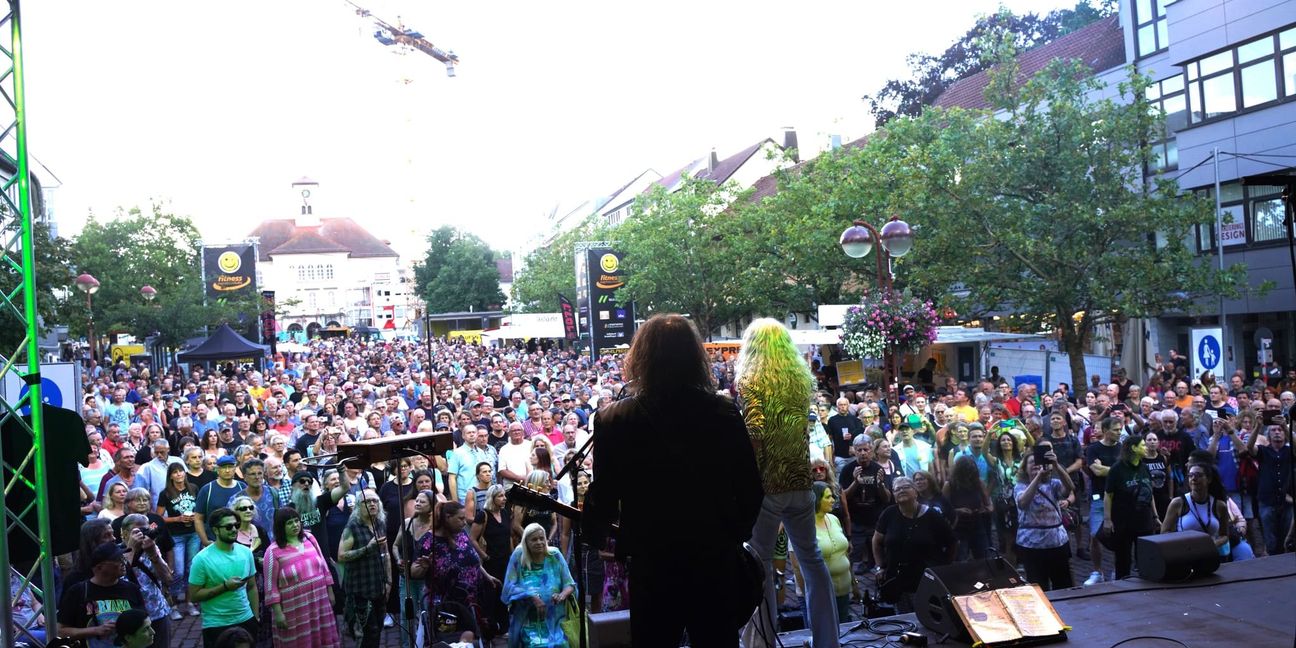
(1248,473)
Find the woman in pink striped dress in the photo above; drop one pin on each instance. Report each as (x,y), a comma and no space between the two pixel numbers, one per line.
(298,587)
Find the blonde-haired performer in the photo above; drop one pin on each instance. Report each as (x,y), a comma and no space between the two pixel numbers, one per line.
(775,388)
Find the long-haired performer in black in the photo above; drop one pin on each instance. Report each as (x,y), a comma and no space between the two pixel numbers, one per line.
(684,563)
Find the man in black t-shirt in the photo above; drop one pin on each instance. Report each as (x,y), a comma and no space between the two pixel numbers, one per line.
(88,609)
(1100,456)
(309,434)
(842,428)
(865,493)
(229,439)
(311,507)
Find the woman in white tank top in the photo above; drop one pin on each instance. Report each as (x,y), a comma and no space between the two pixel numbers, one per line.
(1197,510)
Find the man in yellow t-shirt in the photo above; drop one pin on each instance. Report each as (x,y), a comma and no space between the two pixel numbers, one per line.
(962,409)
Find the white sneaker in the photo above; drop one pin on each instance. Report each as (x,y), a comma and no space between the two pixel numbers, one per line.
(193,610)
(388,621)
(1094,579)
(175,614)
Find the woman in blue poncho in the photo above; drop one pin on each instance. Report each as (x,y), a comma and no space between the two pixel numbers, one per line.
(537,585)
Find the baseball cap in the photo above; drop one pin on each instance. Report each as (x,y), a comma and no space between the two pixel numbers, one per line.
(226,460)
(914,421)
(302,474)
(441,426)
(106,552)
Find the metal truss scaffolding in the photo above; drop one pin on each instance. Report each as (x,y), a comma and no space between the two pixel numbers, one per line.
(18,298)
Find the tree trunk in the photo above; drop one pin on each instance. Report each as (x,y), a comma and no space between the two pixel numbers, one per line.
(1073,342)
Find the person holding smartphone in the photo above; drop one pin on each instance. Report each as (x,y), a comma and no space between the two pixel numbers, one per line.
(1043,545)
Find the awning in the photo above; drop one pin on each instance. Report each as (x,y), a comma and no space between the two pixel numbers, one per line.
(530,329)
(808,337)
(963,335)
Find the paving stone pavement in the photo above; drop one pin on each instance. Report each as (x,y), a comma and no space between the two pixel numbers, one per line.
(187,633)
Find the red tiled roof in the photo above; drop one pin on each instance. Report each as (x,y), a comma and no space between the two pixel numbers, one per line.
(768,186)
(724,169)
(285,236)
(505,268)
(1100,45)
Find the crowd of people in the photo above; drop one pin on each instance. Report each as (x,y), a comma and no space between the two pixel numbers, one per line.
(213,493)
(930,475)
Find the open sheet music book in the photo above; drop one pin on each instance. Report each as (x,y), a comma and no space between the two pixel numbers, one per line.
(1008,615)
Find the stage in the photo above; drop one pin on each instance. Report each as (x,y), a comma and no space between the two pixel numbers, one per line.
(1250,603)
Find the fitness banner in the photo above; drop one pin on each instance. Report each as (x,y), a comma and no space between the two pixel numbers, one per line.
(610,323)
(229,271)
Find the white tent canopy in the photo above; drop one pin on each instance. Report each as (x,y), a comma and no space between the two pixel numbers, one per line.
(834,315)
(963,335)
(807,337)
(526,326)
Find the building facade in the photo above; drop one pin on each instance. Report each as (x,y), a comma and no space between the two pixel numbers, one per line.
(1225,73)
(330,271)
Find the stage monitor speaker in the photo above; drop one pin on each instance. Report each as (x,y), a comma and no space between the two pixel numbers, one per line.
(610,629)
(1176,556)
(931,600)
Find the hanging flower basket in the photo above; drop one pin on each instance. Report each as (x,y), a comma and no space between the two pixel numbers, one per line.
(888,321)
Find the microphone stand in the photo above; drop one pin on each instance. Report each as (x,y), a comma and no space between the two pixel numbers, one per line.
(572,471)
(407,556)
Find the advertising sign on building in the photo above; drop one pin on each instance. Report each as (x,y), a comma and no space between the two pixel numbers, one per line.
(229,271)
(1233,233)
(1207,353)
(611,323)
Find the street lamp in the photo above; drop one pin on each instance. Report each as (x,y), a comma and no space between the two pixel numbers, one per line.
(896,239)
(89,285)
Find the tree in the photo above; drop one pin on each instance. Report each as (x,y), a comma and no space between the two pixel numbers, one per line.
(791,237)
(932,75)
(52,280)
(458,273)
(439,242)
(159,249)
(684,253)
(551,270)
(1040,210)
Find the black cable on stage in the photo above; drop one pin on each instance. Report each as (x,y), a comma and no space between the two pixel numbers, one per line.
(1152,637)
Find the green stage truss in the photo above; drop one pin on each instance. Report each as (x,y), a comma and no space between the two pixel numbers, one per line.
(19,299)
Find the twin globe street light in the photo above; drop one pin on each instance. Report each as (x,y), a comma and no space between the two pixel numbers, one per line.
(895,240)
(86,283)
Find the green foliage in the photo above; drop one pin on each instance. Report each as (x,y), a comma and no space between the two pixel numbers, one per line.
(685,253)
(439,242)
(551,270)
(156,248)
(792,236)
(1040,210)
(52,277)
(970,54)
(458,273)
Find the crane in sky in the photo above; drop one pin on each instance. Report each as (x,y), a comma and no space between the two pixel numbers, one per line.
(407,39)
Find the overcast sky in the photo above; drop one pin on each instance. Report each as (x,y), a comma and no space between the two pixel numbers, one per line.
(217,107)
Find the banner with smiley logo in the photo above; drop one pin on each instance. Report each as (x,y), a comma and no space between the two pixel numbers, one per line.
(229,270)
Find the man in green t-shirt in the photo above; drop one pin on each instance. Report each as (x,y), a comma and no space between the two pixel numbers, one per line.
(222,581)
